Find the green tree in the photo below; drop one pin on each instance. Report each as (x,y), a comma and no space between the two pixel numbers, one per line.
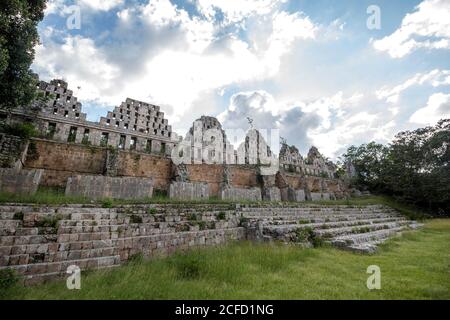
(413,168)
(18,37)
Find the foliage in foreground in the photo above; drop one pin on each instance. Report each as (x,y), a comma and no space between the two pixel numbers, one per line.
(415,266)
(414,168)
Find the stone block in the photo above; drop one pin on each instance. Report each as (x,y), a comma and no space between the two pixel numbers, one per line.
(188,190)
(240,194)
(97,187)
(293,195)
(20,181)
(271,194)
(316,196)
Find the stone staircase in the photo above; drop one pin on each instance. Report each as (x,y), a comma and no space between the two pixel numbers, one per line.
(40,243)
(358,229)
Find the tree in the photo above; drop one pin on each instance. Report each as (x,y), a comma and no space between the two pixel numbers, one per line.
(18,37)
(413,168)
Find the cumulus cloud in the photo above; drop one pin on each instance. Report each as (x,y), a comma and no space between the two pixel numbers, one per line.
(236,11)
(437,108)
(434,78)
(325,123)
(160,53)
(427,27)
(80,61)
(102,5)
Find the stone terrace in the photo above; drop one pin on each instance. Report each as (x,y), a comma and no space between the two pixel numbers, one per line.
(40,242)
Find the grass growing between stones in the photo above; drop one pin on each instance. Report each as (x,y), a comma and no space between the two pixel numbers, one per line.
(414,266)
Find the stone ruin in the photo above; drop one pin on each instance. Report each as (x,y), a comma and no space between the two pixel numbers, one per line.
(137,127)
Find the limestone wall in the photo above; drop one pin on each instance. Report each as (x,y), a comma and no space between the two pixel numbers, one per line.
(39,243)
(98,187)
(145,165)
(189,190)
(19,181)
(240,194)
(62,160)
(11,151)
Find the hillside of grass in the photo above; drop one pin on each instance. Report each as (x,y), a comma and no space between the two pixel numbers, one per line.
(413,266)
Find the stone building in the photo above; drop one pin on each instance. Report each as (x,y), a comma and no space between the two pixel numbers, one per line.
(134,125)
(314,164)
(206,142)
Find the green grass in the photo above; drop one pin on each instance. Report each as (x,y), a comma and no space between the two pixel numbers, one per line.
(414,266)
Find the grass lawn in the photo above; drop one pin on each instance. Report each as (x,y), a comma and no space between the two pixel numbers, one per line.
(414,266)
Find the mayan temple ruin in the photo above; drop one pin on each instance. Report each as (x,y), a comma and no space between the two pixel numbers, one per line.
(133,154)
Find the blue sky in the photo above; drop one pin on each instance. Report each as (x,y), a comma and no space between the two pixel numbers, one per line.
(312,69)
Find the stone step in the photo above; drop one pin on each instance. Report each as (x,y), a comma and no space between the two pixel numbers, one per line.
(18,231)
(61,266)
(329,225)
(6,224)
(331,214)
(365,247)
(328,233)
(49,257)
(331,220)
(360,238)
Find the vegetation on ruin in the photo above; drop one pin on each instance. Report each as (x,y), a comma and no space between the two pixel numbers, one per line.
(413,168)
(23,130)
(413,266)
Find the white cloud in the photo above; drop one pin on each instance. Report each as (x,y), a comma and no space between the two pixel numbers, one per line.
(163,55)
(102,5)
(325,123)
(80,61)
(236,11)
(434,78)
(437,108)
(427,27)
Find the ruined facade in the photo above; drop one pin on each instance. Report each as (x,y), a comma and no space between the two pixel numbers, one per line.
(134,125)
(314,164)
(135,140)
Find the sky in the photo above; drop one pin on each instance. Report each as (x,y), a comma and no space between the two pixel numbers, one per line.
(325,73)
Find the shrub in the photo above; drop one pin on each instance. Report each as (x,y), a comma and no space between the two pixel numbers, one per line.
(135,219)
(221,215)
(151,211)
(188,266)
(8,278)
(48,221)
(202,225)
(192,216)
(136,258)
(107,203)
(18,216)
(23,130)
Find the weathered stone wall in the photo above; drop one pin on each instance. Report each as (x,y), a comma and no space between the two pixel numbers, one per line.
(19,181)
(293,195)
(135,164)
(209,173)
(11,151)
(94,238)
(62,160)
(244,176)
(98,187)
(240,194)
(271,194)
(189,190)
